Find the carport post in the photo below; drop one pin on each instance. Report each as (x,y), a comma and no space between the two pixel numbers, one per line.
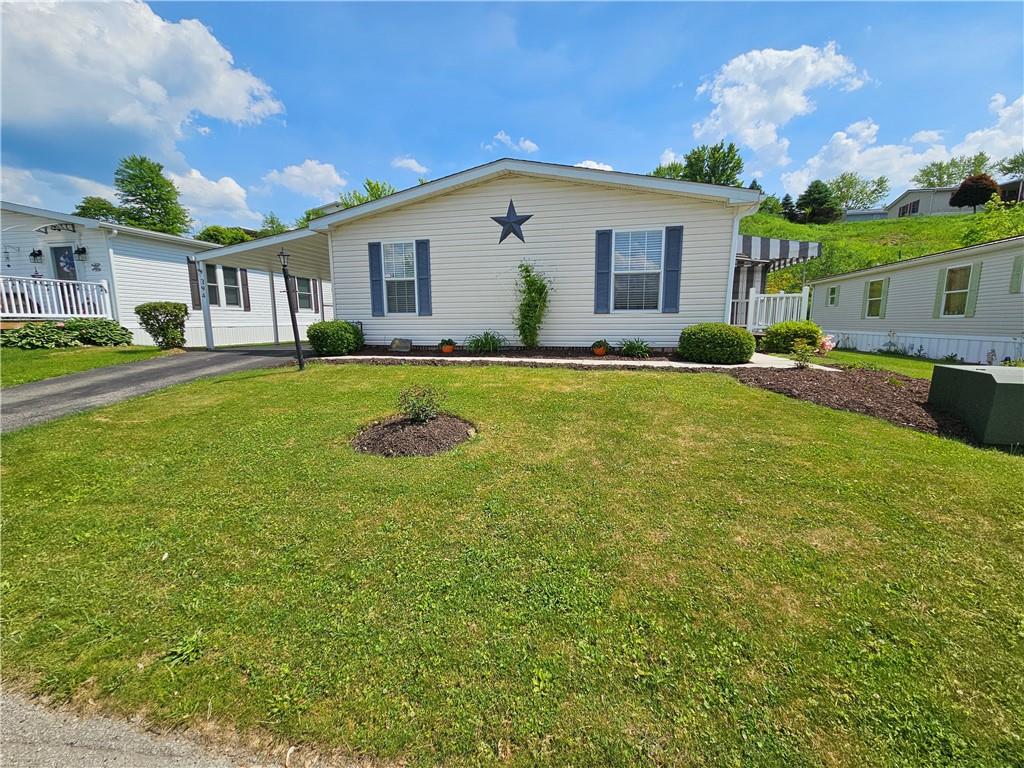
(204,302)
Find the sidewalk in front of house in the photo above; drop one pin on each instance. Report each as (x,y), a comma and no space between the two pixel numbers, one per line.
(759,360)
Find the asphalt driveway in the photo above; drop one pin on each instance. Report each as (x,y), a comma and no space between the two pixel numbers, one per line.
(40,401)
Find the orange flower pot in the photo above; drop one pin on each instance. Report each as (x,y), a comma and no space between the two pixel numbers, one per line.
(447,349)
(600,351)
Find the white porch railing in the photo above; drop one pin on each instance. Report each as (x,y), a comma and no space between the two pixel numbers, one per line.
(34,298)
(765,309)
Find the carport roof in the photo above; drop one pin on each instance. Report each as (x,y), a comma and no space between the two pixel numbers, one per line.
(307,251)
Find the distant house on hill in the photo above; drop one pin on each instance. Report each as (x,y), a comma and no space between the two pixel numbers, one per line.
(930,201)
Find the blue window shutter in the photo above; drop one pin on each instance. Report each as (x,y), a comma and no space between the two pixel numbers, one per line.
(376,281)
(671,268)
(603,272)
(423,306)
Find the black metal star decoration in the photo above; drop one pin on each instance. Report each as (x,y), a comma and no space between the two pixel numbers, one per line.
(511,223)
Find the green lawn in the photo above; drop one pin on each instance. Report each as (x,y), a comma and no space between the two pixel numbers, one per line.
(915,367)
(621,568)
(19,366)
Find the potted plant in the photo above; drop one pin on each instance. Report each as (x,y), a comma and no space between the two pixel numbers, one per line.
(599,347)
(447,346)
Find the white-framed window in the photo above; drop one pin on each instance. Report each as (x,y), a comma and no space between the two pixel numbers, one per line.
(399,277)
(212,285)
(232,287)
(304,292)
(637,258)
(833,295)
(954,295)
(875,290)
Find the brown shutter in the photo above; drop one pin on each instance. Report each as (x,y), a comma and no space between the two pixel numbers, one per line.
(193,284)
(243,278)
(314,287)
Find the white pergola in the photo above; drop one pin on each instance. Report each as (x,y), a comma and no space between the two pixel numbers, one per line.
(308,255)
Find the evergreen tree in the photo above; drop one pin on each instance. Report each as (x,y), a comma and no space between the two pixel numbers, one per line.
(755,185)
(789,209)
(818,203)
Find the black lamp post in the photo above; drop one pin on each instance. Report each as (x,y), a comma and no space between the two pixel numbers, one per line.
(292,309)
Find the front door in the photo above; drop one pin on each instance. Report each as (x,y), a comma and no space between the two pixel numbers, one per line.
(64,262)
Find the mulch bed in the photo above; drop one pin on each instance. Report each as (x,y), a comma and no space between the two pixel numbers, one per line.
(883,394)
(560,353)
(399,436)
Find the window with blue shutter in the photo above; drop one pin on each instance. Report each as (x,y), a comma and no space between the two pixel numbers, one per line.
(423,302)
(376,281)
(603,272)
(672,268)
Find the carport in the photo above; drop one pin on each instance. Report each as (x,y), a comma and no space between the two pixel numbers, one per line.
(308,255)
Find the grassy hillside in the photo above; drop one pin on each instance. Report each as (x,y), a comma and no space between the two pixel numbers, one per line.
(853,245)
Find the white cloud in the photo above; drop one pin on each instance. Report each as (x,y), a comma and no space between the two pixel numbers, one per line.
(312,179)
(503,139)
(668,157)
(119,65)
(856,149)
(926,137)
(758,92)
(409,163)
(214,202)
(45,189)
(1004,138)
(595,165)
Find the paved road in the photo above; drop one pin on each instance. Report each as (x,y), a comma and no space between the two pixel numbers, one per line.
(40,401)
(32,736)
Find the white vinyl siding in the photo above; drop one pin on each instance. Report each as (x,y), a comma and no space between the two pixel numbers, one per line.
(954,297)
(399,277)
(873,308)
(636,270)
(473,277)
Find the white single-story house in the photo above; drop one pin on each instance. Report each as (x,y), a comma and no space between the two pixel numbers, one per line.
(627,255)
(967,302)
(56,265)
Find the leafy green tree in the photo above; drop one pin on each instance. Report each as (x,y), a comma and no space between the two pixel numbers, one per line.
(93,207)
(372,190)
(772,205)
(272,225)
(997,221)
(1012,167)
(715,164)
(307,216)
(223,235)
(148,198)
(950,172)
(818,203)
(852,191)
(974,191)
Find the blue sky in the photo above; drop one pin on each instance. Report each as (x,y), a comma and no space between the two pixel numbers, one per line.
(280,106)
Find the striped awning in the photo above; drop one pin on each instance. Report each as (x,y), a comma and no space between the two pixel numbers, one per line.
(777,253)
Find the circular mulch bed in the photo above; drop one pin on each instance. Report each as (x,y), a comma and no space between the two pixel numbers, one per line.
(399,436)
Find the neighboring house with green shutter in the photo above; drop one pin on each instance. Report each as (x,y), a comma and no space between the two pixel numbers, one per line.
(627,255)
(967,302)
(56,265)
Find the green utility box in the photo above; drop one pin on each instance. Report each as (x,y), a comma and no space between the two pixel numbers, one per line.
(987,398)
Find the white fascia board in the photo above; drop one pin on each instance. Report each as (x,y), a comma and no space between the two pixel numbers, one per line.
(44,213)
(506,166)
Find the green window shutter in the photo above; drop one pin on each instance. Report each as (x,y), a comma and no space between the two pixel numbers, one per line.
(864,304)
(885,298)
(1017,274)
(972,289)
(940,290)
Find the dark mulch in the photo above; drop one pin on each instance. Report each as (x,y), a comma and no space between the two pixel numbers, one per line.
(883,394)
(561,353)
(399,436)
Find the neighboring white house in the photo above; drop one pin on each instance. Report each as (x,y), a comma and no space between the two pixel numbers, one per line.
(966,302)
(108,269)
(627,255)
(932,201)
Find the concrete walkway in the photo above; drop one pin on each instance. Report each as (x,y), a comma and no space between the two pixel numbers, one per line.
(33,736)
(40,401)
(759,360)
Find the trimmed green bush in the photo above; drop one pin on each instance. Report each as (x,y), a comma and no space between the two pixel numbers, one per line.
(99,331)
(164,321)
(716,343)
(335,337)
(484,343)
(46,335)
(421,404)
(782,336)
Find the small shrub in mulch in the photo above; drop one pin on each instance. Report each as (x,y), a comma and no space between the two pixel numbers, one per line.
(886,395)
(402,436)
